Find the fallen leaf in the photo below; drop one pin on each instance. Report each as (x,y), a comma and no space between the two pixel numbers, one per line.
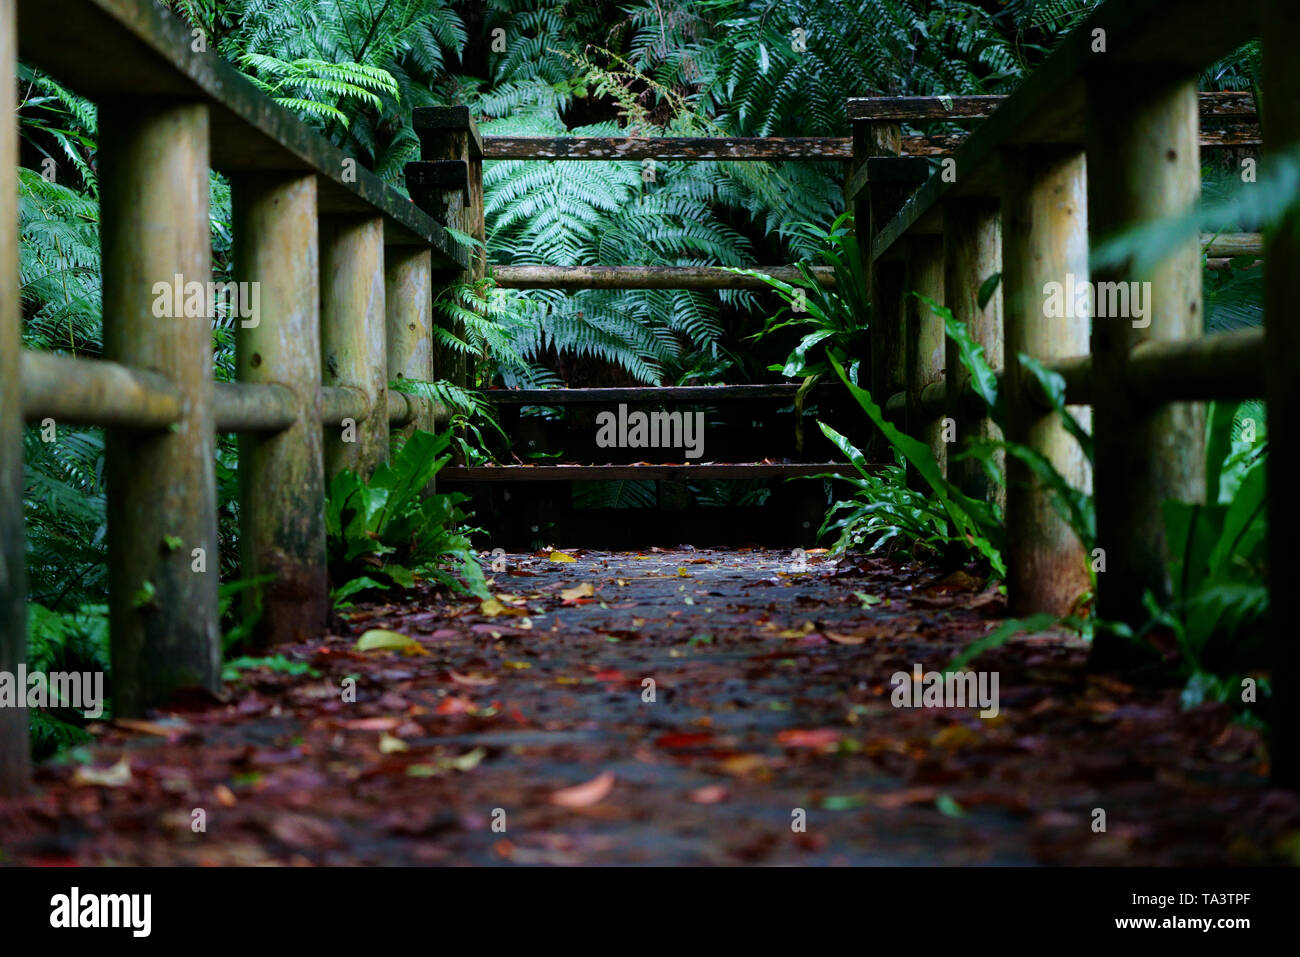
(584,590)
(391,745)
(561,557)
(378,639)
(819,738)
(585,795)
(709,794)
(119,775)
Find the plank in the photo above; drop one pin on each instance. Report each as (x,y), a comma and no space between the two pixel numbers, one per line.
(877,109)
(720,149)
(698,394)
(646,277)
(666,473)
(113,49)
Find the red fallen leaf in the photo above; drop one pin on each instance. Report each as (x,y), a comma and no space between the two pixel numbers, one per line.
(683,739)
(819,738)
(609,674)
(457,705)
(709,794)
(585,795)
(897,799)
(370,724)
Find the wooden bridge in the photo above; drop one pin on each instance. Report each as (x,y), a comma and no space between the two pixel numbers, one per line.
(348,269)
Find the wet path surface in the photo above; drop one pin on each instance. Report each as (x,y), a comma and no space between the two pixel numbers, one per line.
(666,707)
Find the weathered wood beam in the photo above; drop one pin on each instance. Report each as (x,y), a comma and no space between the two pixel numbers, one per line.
(1224,366)
(96,392)
(912,109)
(253,407)
(1281,95)
(15,748)
(281,474)
(924,347)
(661,473)
(162,499)
(716,149)
(651,395)
(450,135)
(1044,241)
(338,403)
(1143,166)
(352,335)
(408,302)
(647,277)
(972,247)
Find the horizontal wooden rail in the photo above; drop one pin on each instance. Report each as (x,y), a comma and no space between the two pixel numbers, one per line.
(1228,106)
(1225,366)
(647,472)
(75,391)
(836,149)
(701,394)
(646,277)
(97,392)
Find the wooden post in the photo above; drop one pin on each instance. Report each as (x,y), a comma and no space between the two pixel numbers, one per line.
(1281,120)
(162,500)
(972,250)
(352,333)
(449,133)
(281,474)
(14,747)
(1044,240)
(1143,165)
(871,210)
(408,299)
(924,349)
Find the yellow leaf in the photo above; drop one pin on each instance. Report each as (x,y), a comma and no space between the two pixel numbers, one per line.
(378,639)
(584,590)
(518,665)
(469,760)
(388,744)
(119,775)
(562,557)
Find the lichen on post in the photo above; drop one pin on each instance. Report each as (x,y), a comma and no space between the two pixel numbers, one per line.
(924,349)
(162,503)
(972,246)
(408,304)
(353,335)
(282,474)
(1044,241)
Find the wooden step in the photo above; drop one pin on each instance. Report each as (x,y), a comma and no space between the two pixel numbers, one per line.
(647,472)
(693,394)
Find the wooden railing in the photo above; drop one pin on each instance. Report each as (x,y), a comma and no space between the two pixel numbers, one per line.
(346,269)
(1102,138)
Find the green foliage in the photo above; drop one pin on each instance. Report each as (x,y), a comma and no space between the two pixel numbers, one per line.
(1218,559)
(391,531)
(975,525)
